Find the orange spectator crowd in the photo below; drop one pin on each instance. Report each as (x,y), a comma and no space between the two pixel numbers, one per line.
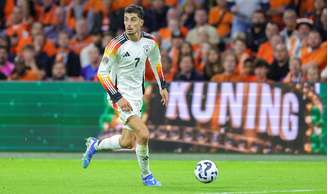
(200,40)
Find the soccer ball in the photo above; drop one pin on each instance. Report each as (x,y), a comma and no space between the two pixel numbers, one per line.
(206,171)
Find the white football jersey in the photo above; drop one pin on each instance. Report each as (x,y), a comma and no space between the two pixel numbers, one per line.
(122,69)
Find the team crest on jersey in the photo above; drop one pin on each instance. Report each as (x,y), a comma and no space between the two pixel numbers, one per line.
(146,48)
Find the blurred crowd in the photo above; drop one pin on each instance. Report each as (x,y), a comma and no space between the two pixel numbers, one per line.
(200,40)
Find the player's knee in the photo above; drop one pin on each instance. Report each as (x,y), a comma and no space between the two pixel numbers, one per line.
(126,143)
(144,135)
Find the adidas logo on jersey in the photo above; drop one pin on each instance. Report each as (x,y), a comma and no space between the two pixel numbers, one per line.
(126,54)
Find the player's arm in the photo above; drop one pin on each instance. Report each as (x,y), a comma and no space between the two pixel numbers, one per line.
(109,59)
(156,66)
(105,67)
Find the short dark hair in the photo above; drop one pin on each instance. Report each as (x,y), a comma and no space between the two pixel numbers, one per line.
(187,55)
(135,9)
(316,32)
(258,63)
(259,11)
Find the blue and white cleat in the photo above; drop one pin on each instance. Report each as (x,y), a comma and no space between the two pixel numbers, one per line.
(150,181)
(91,150)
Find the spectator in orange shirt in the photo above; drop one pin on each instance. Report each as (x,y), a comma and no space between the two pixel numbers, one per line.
(52,31)
(37,28)
(229,65)
(316,53)
(240,49)
(47,15)
(247,75)
(16,30)
(26,66)
(15,21)
(41,43)
(24,73)
(82,38)
(295,74)
(266,49)
(221,18)
(261,70)
(277,8)
(212,64)
(167,32)
(45,45)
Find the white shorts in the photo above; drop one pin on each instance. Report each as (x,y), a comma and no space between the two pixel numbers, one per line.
(136,111)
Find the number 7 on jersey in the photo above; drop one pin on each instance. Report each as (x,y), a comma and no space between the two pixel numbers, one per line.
(137,61)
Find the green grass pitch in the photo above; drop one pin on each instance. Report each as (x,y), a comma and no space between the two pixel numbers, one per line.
(119,174)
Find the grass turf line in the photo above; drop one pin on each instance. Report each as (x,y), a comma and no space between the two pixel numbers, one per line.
(61,176)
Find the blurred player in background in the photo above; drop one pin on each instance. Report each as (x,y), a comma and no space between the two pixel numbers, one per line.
(121,73)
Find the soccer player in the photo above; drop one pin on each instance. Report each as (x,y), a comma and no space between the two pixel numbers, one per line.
(121,73)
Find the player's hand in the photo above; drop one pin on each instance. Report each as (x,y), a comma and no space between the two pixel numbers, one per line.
(165,97)
(124,105)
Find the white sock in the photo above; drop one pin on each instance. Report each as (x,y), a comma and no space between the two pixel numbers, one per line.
(142,153)
(112,143)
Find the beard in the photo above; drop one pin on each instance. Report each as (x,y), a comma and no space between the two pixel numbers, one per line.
(130,32)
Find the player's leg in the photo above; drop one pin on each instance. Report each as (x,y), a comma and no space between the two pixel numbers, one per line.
(115,142)
(128,139)
(142,151)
